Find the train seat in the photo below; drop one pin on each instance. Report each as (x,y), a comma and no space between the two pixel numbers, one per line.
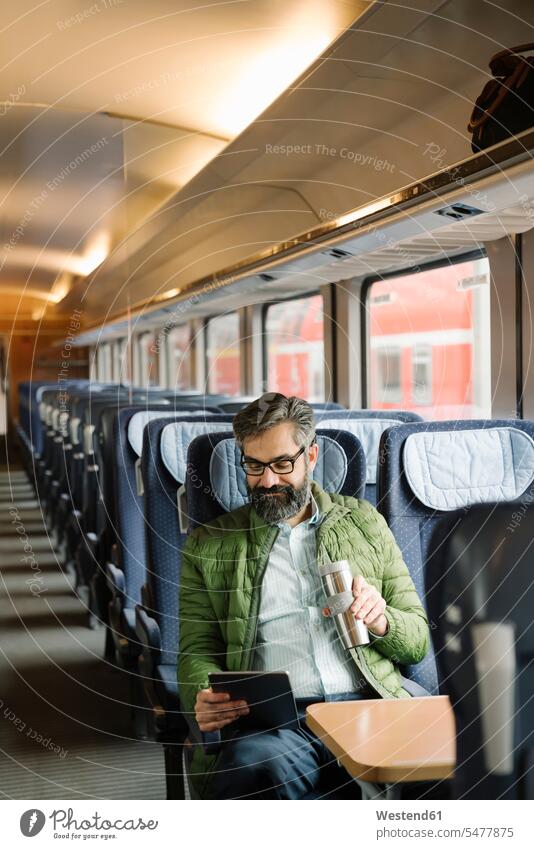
(68,515)
(29,428)
(163,465)
(481,595)
(84,415)
(30,398)
(126,571)
(157,615)
(106,520)
(367,426)
(428,470)
(216,484)
(53,402)
(58,475)
(90,561)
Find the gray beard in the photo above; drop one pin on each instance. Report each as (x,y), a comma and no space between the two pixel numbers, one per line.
(276,508)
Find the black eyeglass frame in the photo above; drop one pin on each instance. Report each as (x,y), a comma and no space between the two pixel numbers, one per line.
(291,460)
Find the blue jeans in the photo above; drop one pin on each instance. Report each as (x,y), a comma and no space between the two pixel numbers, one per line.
(282,764)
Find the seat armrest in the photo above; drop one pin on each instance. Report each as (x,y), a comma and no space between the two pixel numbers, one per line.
(116,583)
(147,630)
(115,555)
(146,597)
(413,688)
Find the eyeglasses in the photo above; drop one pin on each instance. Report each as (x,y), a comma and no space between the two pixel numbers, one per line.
(284,466)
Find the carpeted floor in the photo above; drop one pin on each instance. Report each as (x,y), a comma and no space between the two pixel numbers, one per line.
(65,728)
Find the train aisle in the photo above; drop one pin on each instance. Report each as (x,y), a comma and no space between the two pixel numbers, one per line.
(64,719)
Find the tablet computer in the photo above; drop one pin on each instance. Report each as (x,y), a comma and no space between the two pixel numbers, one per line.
(268,695)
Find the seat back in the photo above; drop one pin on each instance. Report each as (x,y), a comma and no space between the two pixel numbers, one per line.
(165,533)
(41,418)
(481,596)
(106,451)
(75,456)
(368,426)
(429,470)
(106,460)
(216,482)
(30,398)
(130,531)
(55,409)
(95,470)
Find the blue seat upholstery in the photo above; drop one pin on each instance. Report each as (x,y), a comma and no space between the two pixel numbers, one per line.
(481,596)
(368,426)
(89,557)
(128,572)
(29,427)
(106,518)
(30,396)
(68,515)
(165,537)
(55,407)
(429,470)
(157,615)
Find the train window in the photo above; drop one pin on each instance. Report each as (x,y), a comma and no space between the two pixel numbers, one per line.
(294,333)
(179,357)
(222,353)
(428,341)
(148,358)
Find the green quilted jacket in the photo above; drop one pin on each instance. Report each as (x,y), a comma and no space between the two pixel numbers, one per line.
(222,571)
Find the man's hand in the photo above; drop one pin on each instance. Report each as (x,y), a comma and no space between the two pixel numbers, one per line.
(215,710)
(368,605)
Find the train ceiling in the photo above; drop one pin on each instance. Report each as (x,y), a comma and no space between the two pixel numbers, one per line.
(109,108)
(151,209)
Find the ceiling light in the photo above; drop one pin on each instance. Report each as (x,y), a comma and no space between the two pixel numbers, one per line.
(94,255)
(60,289)
(300,41)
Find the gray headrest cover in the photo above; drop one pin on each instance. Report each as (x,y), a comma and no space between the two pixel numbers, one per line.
(447,470)
(175,440)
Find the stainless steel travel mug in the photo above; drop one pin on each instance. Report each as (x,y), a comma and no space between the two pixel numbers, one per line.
(337,584)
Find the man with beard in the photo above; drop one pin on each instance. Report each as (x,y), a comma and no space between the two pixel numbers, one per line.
(251,598)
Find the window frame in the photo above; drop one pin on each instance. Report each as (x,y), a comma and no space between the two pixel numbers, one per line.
(141,379)
(264,309)
(479,253)
(119,360)
(104,362)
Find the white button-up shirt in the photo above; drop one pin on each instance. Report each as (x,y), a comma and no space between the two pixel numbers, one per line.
(293,635)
